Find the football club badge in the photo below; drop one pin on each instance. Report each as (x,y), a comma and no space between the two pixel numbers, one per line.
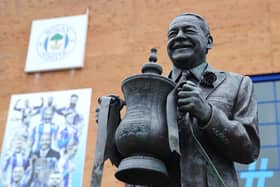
(57,43)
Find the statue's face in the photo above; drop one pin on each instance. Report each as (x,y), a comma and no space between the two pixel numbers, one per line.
(187,42)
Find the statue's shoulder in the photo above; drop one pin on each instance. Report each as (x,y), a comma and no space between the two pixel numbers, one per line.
(232,76)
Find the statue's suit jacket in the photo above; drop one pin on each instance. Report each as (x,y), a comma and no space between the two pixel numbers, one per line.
(231,135)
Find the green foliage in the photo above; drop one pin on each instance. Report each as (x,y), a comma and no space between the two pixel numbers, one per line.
(56,37)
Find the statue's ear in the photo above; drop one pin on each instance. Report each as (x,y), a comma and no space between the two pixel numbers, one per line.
(210,42)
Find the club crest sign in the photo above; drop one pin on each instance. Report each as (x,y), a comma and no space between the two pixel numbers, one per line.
(57,43)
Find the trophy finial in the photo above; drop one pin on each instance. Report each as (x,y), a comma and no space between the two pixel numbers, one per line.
(153,56)
(151,66)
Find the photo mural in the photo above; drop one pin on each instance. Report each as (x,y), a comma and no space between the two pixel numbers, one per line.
(45,139)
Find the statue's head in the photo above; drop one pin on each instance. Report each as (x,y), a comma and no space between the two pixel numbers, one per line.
(189,40)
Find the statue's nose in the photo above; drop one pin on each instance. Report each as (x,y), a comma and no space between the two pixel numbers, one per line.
(180,34)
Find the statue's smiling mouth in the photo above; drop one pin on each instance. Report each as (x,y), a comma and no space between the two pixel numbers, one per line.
(182,45)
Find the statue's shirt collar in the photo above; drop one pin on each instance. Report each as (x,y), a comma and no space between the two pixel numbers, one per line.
(196,71)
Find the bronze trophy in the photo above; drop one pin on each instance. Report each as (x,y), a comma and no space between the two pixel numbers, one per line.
(142,136)
(140,143)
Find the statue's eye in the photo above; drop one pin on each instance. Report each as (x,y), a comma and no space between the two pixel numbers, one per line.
(189,30)
(172,33)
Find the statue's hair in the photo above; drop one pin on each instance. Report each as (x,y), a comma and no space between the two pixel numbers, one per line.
(203,25)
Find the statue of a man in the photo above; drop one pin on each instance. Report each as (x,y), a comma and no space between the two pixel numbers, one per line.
(222,103)
(217,111)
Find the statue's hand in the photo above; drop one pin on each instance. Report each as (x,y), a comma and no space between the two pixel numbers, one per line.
(190,99)
(114,99)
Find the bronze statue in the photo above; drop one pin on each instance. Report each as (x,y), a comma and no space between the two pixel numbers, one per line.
(215,116)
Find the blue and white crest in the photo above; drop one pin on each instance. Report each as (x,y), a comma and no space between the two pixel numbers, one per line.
(56,42)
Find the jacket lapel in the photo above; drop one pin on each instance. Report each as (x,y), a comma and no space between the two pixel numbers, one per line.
(208,90)
(220,78)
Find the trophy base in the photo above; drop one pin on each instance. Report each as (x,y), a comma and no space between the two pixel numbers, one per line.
(142,170)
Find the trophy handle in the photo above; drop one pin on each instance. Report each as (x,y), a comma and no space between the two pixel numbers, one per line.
(108,120)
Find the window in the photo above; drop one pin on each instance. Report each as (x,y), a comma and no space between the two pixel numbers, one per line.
(266,170)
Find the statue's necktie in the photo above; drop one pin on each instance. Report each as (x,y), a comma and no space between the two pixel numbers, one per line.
(185,75)
(173,117)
